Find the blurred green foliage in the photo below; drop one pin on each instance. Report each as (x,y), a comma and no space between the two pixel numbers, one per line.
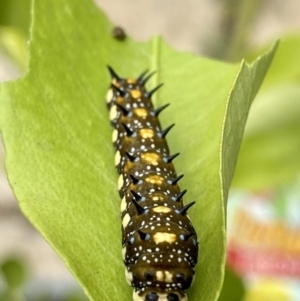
(15,13)
(14,272)
(269,155)
(14,276)
(233,288)
(14,30)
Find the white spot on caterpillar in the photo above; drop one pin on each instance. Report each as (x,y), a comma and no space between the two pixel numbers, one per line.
(109,95)
(125,220)
(128,276)
(160,237)
(114,135)
(124,253)
(136,297)
(113,112)
(117,158)
(120,182)
(123,204)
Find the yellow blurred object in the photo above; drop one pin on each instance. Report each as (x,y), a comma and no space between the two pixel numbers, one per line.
(267,290)
(14,42)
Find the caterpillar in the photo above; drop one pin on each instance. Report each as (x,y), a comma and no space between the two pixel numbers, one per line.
(159,242)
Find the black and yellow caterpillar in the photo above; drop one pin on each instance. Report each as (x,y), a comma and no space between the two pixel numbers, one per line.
(160,247)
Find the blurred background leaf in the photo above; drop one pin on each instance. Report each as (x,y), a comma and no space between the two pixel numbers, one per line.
(14,30)
(14,272)
(15,13)
(233,288)
(269,154)
(13,44)
(13,275)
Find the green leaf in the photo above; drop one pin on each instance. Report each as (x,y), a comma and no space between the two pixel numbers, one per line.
(75,296)
(14,272)
(270,150)
(233,288)
(58,140)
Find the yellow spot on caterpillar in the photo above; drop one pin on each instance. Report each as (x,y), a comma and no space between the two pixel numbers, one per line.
(160,275)
(124,253)
(131,81)
(128,276)
(109,95)
(115,82)
(119,100)
(161,209)
(136,93)
(114,135)
(120,182)
(160,237)
(125,220)
(155,179)
(157,198)
(146,133)
(128,165)
(117,158)
(151,158)
(113,112)
(168,276)
(141,112)
(164,276)
(123,204)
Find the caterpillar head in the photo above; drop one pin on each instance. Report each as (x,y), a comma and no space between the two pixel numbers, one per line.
(153,294)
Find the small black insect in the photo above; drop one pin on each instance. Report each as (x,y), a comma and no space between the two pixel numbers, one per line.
(119,33)
(160,247)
